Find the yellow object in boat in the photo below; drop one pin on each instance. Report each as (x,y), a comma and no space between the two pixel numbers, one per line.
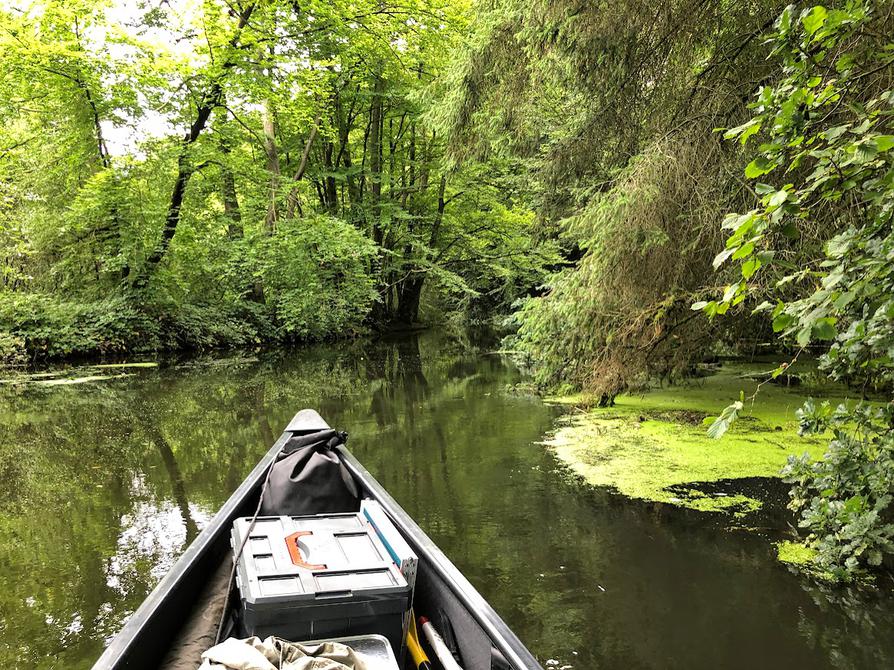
(419,656)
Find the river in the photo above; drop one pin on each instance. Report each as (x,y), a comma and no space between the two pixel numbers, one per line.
(106,481)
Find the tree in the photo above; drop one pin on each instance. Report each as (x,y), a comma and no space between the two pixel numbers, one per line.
(612,107)
(826,160)
(180,181)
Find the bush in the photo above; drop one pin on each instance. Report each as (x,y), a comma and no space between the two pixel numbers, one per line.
(316,281)
(826,162)
(316,277)
(49,327)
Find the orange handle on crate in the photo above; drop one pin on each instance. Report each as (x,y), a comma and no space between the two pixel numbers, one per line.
(295,551)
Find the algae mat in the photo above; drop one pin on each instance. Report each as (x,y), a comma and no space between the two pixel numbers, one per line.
(654,446)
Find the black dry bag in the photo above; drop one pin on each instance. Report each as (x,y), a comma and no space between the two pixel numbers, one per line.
(308,477)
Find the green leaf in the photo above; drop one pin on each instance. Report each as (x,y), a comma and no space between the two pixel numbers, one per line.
(865,152)
(884,143)
(744,251)
(722,423)
(782,322)
(758,167)
(744,131)
(837,131)
(720,258)
(732,291)
(803,336)
(814,19)
(749,267)
(784,22)
(824,329)
(844,299)
(777,198)
(790,230)
(839,245)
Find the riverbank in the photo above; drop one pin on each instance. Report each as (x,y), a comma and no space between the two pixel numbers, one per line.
(654,446)
(42,328)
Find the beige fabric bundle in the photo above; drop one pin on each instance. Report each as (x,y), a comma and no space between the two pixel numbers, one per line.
(276,654)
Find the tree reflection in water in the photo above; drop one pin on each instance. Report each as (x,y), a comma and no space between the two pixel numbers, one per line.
(106,483)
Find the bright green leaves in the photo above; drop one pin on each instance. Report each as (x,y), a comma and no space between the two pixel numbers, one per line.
(784,22)
(749,267)
(744,131)
(834,140)
(813,19)
(759,167)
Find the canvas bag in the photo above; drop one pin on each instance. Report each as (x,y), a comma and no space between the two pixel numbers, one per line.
(308,477)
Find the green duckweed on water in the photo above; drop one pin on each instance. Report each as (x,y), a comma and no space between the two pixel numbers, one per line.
(654,446)
(795,553)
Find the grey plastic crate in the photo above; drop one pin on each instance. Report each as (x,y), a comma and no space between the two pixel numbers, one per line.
(313,577)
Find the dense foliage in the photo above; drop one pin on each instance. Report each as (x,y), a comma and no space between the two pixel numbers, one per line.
(826,160)
(201,174)
(614,106)
(633,174)
(197,174)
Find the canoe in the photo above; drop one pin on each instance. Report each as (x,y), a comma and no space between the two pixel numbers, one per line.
(483,640)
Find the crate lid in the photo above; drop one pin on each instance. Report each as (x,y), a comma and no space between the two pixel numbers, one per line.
(309,559)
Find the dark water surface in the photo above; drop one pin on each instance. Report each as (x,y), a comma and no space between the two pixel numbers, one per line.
(104,483)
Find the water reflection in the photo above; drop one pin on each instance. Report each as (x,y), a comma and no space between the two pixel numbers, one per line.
(105,483)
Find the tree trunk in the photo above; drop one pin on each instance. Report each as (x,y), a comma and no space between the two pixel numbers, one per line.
(411,288)
(293,204)
(231,203)
(375,159)
(380,310)
(185,167)
(228,193)
(330,193)
(439,217)
(269,122)
(408,301)
(103,149)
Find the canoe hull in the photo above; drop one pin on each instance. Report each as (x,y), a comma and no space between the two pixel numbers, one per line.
(143,641)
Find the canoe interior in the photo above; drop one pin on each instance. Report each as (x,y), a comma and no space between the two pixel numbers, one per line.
(483,639)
